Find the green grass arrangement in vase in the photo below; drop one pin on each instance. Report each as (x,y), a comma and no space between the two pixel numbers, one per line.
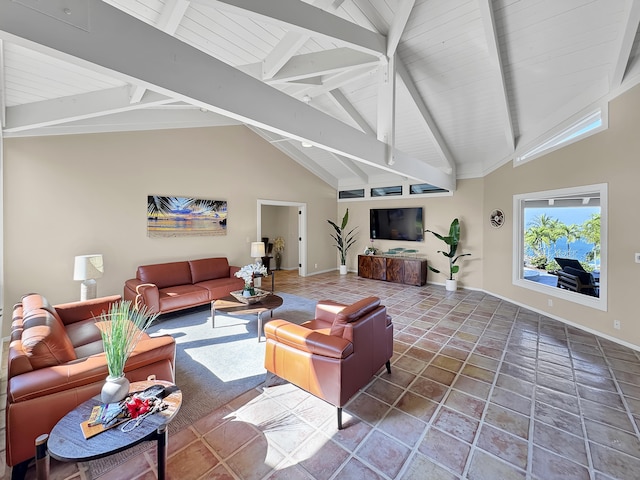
(121,328)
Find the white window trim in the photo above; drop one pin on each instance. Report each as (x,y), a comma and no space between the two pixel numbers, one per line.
(599,303)
(566,136)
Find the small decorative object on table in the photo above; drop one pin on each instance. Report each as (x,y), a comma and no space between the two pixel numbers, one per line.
(370,250)
(249,300)
(121,328)
(247,273)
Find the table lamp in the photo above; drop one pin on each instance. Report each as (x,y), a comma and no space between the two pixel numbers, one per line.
(87,268)
(257,251)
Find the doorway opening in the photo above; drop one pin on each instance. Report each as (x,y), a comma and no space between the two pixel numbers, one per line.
(288,220)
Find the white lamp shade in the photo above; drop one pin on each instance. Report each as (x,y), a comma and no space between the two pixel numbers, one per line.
(88,267)
(257,249)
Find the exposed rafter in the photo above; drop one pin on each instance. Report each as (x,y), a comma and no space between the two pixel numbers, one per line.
(352,167)
(341,101)
(170,18)
(326,62)
(288,46)
(626,40)
(397,26)
(429,123)
(486,12)
(77,107)
(307,19)
(185,73)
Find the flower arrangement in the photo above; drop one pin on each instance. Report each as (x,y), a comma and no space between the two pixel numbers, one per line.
(247,273)
(121,328)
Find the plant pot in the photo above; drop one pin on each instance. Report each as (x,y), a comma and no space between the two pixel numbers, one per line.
(343,269)
(115,389)
(451,285)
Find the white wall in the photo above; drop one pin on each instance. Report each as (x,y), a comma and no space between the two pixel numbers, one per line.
(72,195)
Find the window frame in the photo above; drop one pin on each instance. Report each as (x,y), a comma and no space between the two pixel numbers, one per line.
(518,280)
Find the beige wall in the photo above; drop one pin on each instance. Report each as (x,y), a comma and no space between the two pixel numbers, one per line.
(73,195)
(465,204)
(609,157)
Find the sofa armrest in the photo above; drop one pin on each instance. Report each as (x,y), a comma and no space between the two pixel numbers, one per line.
(77,311)
(232,270)
(141,293)
(306,340)
(85,371)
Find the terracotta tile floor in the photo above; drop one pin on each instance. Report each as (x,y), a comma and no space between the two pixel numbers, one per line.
(480,389)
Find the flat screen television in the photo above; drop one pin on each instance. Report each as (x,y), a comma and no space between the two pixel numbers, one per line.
(396,224)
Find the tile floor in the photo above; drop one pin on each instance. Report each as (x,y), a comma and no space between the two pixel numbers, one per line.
(480,389)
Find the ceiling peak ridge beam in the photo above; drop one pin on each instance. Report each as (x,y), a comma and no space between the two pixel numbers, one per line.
(430,125)
(77,107)
(180,71)
(288,46)
(326,62)
(491,35)
(625,45)
(306,19)
(170,18)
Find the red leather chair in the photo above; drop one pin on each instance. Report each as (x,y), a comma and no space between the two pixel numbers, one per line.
(334,355)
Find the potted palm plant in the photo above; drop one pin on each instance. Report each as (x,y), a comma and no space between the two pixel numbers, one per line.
(121,328)
(344,240)
(452,240)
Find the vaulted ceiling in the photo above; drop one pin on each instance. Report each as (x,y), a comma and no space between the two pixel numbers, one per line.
(384,91)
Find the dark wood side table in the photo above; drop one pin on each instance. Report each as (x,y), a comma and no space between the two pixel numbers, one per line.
(67,443)
(233,306)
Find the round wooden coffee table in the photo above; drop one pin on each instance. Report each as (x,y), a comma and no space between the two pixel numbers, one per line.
(233,306)
(66,441)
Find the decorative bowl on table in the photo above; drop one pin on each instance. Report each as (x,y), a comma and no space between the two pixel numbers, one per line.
(259,295)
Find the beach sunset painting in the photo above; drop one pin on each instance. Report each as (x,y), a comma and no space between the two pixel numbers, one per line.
(185,216)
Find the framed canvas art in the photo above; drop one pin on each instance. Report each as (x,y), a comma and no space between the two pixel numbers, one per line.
(185,216)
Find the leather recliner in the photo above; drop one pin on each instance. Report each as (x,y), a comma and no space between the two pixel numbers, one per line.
(57,361)
(334,355)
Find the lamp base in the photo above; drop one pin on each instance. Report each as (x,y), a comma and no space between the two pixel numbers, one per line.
(88,289)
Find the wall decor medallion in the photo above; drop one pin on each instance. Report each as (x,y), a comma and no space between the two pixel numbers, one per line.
(497,218)
(185,216)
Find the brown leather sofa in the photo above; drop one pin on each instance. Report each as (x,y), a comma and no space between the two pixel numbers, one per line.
(167,287)
(335,354)
(56,362)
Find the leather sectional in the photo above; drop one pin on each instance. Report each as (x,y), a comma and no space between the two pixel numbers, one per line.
(57,361)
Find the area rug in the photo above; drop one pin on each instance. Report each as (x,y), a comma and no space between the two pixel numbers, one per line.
(213,365)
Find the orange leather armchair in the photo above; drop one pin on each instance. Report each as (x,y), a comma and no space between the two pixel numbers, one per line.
(56,362)
(334,355)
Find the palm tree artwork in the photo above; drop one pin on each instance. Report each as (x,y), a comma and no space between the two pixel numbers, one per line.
(185,216)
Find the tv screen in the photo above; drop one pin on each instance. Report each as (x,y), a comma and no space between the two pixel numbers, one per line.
(396,224)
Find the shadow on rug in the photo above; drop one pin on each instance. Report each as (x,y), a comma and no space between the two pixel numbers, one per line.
(213,365)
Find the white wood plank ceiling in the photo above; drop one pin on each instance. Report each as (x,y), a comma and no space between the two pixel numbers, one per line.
(386,91)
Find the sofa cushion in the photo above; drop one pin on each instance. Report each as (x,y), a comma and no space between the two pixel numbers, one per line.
(45,340)
(353,312)
(165,274)
(182,296)
(209,269)
(221,287)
